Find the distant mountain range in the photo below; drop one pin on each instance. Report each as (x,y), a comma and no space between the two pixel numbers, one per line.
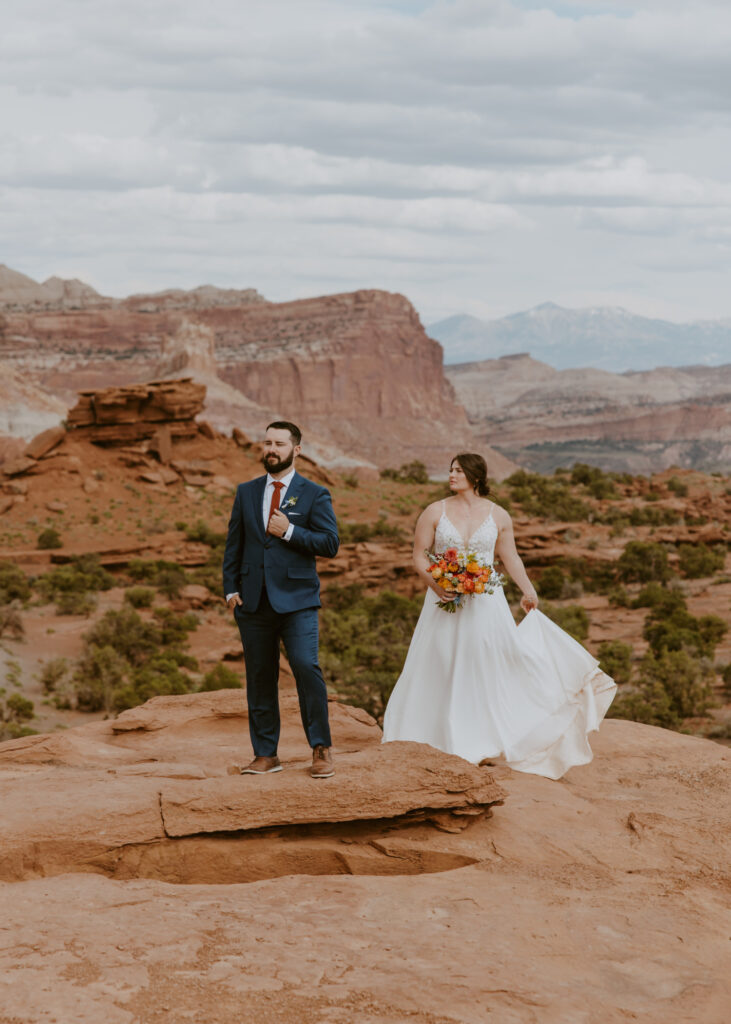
(606,338)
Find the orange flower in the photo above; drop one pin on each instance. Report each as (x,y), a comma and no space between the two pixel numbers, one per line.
(473,567)
(451,554)
(479,587)
(445,584)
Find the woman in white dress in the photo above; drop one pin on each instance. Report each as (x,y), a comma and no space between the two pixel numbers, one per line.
(476,684)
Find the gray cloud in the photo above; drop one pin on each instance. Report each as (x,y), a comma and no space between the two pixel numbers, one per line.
(478,155)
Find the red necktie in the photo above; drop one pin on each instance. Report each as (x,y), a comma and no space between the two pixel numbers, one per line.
(278,485)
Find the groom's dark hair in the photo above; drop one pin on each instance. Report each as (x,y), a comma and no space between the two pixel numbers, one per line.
(294,431)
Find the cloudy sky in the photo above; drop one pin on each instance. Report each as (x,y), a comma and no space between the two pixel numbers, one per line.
(480,156)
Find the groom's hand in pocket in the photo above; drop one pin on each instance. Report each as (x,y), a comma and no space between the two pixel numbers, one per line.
(233,601)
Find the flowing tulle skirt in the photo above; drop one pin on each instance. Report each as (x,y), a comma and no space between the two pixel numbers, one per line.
(476,684)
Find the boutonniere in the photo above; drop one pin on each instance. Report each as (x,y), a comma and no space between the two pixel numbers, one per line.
(289,503)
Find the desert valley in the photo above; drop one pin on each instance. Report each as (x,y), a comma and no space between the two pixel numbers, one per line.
(142,883)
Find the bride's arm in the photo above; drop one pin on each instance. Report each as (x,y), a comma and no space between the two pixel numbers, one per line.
(426,525)
(508,555)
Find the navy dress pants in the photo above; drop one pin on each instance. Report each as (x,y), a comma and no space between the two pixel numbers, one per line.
(261,632)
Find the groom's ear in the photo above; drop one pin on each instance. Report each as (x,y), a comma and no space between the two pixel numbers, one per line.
(296,450)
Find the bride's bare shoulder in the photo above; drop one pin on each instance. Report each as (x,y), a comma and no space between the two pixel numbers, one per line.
(501,515)
(433,510)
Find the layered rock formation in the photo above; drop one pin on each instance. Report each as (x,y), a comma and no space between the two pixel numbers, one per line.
(121,415)
(630,422)
(357,370)
(144,884)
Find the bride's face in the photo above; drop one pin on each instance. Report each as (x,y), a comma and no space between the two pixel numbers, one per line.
(457,480)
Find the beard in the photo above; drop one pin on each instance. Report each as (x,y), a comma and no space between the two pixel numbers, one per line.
(274,464)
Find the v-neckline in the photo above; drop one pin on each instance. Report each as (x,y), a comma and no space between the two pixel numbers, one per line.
(459,532)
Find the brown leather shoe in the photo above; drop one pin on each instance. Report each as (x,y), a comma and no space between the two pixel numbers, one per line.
(322,763)
(259,766)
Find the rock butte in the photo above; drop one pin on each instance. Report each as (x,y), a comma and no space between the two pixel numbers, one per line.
(143,884)
(356,370)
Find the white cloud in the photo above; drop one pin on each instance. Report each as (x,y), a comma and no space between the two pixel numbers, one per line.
(522,151)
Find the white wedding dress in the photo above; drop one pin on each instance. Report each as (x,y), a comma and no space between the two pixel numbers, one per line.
(476,684)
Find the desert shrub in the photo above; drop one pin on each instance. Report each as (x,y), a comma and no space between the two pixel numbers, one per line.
(677,487)
(14,711)
(615,658)
(673,686)
(598,483)
(220,678)
(696,560)
(414,472)
(669,626)
(127,660)
(203,533)
(653,516)
(655,595)
(572,618)
(73,603)
(546,496)
(11,623)
(168,577)
(596,577)
(643,561)
(14,584)
(139,597)
(49,538)
(81,575)
(551,583)
(53,673)
(619,597)
(382,529)
(363,643)
(351,481)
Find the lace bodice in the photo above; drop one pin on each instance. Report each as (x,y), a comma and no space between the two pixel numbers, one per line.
(481,543)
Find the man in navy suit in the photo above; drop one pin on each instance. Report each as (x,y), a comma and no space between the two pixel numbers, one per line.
(278,524)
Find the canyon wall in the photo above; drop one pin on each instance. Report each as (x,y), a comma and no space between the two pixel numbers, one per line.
(637,422)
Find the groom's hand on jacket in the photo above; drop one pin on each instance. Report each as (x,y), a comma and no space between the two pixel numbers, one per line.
(278,524)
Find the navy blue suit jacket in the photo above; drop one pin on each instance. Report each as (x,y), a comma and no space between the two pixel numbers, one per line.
(253,557)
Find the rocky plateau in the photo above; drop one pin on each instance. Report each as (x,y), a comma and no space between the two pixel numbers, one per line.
(141,883)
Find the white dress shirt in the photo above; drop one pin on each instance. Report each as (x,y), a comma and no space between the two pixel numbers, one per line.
(266,502)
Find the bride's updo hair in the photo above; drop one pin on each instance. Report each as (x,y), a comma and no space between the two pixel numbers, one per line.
(474,468)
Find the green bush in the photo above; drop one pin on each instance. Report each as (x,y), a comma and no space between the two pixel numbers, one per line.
(615,658)
(598,483)
(11,623)
(220,678)
(168,577)
(127,660)
(14,584)
(548,497)
(619,597)
(677,487)
(14,711)
(363,643)
(79,576)
(674,685)
(73,603)
(572,618)
(697,560)
(551,583)
(655,595)
(139,597)
(670,627)
(203,533)
(53,673)
(49,538)
(410,473)
(643,561)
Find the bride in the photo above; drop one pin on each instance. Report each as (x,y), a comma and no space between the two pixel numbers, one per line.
(474,683)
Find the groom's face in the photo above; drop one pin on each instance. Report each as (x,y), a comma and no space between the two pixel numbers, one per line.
(279,450)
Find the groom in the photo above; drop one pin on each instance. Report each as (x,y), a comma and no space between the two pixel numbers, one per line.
(278,524)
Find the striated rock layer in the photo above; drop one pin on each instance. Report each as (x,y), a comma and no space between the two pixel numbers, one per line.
(143,884)
(356,370)
(630,422)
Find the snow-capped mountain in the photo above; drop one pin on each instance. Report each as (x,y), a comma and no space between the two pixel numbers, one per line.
(607,338)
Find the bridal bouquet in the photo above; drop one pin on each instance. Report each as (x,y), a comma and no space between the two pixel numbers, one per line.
(461,575)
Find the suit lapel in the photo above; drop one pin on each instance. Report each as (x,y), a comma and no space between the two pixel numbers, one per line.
(293,491)
(257,504)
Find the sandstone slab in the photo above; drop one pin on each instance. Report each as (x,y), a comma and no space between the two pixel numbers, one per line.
(44,442)
(390,781)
